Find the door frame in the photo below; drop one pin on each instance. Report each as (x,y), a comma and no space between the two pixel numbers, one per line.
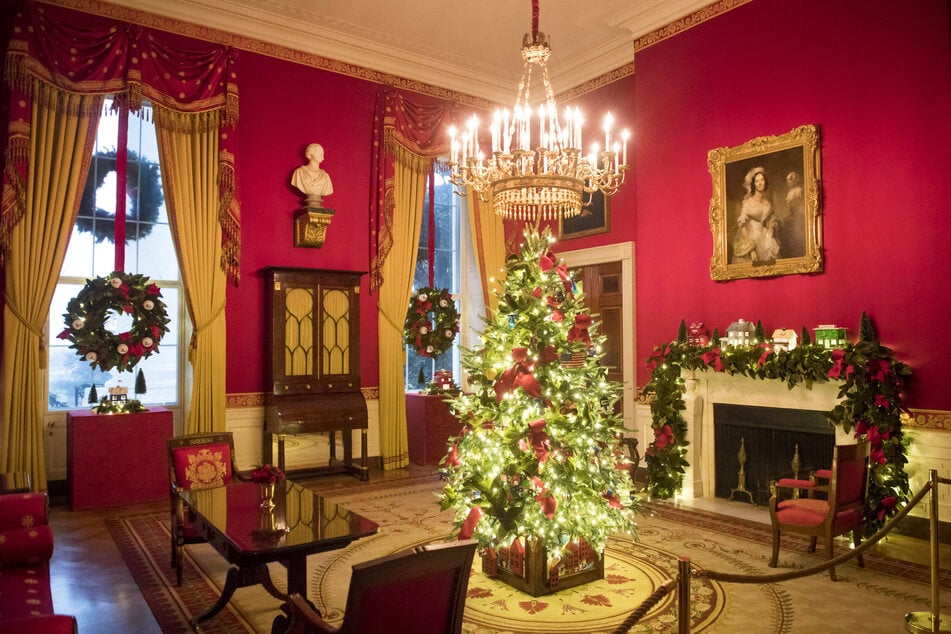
(623,252)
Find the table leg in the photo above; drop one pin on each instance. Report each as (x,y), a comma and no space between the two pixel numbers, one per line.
(240,578)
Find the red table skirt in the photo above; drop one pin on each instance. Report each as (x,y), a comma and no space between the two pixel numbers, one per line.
(429,425)
(117,459)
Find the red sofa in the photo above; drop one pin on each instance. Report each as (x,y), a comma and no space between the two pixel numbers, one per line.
(26,545)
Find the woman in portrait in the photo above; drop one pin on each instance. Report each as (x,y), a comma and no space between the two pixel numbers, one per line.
(755,238)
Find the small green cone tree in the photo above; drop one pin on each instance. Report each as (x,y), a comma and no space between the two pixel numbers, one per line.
(538,456)
(805,338)
(140,386)
(682,332)
(867,329)
(93,395)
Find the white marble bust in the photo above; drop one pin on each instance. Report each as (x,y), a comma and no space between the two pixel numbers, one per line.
(310,179)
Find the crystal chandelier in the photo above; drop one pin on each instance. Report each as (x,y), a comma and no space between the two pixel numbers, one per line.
(550,180)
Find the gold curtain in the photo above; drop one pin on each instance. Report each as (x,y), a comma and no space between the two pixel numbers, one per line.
(188,153)
(409,189)
(60,147)
(488,243)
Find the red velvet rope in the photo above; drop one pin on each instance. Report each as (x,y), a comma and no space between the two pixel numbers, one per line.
(534,20)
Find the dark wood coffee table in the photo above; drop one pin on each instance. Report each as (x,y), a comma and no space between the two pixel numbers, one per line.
(301,523)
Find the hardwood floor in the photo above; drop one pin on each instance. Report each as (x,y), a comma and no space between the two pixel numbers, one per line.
(91,581)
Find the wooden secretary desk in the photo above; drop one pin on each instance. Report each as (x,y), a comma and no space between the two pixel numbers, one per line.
(315,364)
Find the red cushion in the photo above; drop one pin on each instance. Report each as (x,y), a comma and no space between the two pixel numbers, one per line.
(22,510)
(802,512)
(203,466)
(25,591)
(796,484)
(45,624)
(25,546)
(825,474)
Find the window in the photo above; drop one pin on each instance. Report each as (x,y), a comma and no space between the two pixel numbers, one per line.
(91,253)
(453,259)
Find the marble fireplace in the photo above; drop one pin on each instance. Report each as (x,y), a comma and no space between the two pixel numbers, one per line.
(732,407)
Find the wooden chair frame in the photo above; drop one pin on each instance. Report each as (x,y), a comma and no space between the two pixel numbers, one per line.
(374,576)
(843,510)
(178,519)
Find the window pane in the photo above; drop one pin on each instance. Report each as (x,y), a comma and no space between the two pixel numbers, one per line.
(148,250)
(420,370)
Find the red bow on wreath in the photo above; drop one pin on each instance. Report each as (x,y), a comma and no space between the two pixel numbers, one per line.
(519,375)
(579,332)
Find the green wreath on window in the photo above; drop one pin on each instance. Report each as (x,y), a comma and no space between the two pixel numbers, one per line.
(432,322)
(118,292)
(143,186)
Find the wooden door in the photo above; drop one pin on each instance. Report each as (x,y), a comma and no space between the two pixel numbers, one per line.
(603,296)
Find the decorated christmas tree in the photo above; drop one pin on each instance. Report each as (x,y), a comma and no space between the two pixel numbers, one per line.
(538,458)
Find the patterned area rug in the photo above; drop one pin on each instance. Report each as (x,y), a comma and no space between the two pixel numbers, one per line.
(874,599)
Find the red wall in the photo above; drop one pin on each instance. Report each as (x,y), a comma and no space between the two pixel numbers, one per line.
(875,77)
(284,107)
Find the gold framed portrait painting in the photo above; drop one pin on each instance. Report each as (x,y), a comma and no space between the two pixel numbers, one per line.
(592,219)
(765,210)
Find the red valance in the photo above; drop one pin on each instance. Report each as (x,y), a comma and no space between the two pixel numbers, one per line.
(88,54)
(410,130)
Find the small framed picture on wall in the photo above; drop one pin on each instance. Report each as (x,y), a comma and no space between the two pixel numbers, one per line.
(765,211)
(592,219)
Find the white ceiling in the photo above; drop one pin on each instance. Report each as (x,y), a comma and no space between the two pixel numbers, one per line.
(471,47)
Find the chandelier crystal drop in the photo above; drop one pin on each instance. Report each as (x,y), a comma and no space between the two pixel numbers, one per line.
(547,178)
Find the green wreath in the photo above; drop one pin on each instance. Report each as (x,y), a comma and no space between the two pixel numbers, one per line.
(431,322)
(143,185)
(119,292)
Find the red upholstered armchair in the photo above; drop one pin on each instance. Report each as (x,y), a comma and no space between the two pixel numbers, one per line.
(843,510)
(196,461)
(419,591)
(26,546)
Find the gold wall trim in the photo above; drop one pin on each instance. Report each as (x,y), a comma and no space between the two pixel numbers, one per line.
(240,42)
(597,82)
(687,22)
(256,399)
(939,420)
(251,399)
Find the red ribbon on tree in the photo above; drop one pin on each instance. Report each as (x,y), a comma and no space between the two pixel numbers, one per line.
(468,527)
(548,355)
(519,375)
(538,439)
(579,332)
(547,263)
(544,498)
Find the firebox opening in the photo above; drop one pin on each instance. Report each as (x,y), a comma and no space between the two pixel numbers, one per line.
(770,437)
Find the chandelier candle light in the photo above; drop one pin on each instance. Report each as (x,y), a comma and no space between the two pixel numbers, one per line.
(552,180)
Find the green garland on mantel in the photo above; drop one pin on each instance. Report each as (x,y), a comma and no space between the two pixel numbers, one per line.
(870,402)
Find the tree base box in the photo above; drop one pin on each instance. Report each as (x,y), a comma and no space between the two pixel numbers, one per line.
(529,569)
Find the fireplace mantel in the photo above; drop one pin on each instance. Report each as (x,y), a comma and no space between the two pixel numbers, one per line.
(704,388)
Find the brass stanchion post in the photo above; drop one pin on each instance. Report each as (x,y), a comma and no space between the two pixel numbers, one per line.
(932,621)
(683,595)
